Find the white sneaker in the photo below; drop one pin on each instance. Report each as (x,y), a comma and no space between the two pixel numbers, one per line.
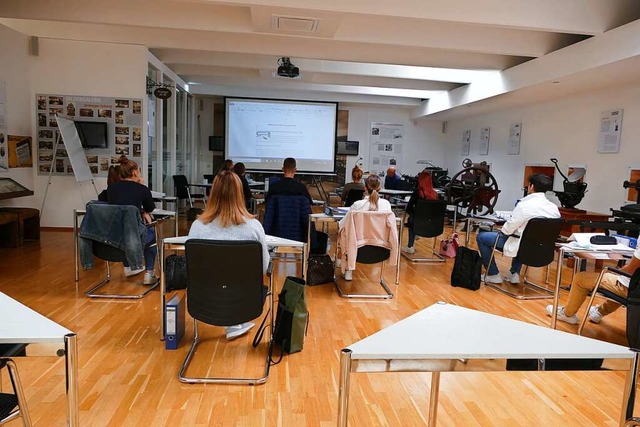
(338,262)
(513,278)
(493,278)
(573,320)
(149,278)
(409,250)
(348,275)
(236,331)
(128,272)
(594,314)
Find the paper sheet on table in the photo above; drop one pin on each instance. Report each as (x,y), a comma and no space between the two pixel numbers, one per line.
(580,241)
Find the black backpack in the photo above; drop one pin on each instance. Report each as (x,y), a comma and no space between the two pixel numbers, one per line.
(466,269)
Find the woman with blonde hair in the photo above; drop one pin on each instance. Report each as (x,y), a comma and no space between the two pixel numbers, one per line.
(225,217)
(356,184)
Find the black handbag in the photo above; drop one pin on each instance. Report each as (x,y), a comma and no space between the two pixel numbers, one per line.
(319,270)
(175,272)
(603,240)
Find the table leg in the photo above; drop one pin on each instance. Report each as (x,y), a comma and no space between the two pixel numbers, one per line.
(304,261)
(399,250)
(163,290)
(343,391)
(556,292)
(75,245)
(467,234)
(71,370)
(433,398)
(628,397)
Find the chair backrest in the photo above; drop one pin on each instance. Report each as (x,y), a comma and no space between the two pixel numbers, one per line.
(353,196)
(287,216)
(224,280)
(181,184)
(428,217)
(538,241)
(208,177)
(372,226)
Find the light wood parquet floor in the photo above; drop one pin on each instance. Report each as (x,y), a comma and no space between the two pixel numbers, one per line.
(127,378)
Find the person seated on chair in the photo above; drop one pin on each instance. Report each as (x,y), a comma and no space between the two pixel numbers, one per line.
(227,165)
(225,217)
(425,191)
(356,184)
(371,202)
(288,185)
(130,190)
(112,176)
(584,284)
(392,179)
(534,205)
(240,170)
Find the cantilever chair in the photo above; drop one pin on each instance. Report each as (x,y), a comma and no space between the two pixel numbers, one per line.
(428,221)
(353,196)
(225,288)
(370,254)
(13,405)
(182,191)
(537,249)
(107,251)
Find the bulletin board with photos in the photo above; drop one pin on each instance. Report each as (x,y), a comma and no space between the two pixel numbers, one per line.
(123,117)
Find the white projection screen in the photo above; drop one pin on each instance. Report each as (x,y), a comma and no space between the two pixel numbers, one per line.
(261,133)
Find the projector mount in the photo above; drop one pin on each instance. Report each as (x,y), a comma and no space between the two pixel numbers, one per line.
(286,68)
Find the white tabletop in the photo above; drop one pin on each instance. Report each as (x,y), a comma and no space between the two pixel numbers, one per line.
(155,212)
(445,331)
(272,241)
(395,192)
(20,324)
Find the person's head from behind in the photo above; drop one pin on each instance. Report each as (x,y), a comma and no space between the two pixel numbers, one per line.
(113,175)
(227,165)
(128,169)
(425,186)
(372,186)
(356,174)
(239,169)
(226,202)
(539,183)
(289,167)
(391,172)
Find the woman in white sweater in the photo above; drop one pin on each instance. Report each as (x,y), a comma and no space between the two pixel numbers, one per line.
(226,218)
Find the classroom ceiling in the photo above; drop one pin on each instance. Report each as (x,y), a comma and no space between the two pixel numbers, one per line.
(433,56)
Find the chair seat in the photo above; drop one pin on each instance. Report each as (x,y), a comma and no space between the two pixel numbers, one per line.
(610,295)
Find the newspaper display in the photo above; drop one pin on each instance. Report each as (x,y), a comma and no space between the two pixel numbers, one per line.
(386,146)
(466,143)
(610,130)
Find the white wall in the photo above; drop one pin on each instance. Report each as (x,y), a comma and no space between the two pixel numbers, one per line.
(68,68)
(566,129)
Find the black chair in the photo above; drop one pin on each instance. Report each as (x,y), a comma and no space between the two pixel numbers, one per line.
(225,288)
(428,221)
(108,252)
(537,249)
(182,191)
(208,177)
(13,405)
(353,196)
(369,254)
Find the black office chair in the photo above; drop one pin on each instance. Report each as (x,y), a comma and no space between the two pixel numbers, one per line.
(182,191)
(209,177)
(369,254)
(537,249)
(225,288)
(101,217)
(13,405)
(353,196)
(428,221)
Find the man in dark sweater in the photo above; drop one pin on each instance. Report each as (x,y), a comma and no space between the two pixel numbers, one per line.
(287,185)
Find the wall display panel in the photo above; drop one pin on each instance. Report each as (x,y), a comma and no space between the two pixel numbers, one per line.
(123,119)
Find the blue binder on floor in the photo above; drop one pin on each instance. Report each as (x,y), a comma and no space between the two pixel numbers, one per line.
(174,318)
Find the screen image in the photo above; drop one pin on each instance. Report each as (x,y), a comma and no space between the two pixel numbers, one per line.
(92,134)
(348,148)
(261,133)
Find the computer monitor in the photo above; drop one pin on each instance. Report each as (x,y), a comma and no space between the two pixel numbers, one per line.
(92,134)
(348,148)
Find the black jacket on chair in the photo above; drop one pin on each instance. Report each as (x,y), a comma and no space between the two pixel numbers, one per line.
(287,217)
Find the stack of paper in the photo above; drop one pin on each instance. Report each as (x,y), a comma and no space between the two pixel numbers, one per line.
(582,241)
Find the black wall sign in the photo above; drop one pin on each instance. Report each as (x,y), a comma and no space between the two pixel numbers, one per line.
(162,93)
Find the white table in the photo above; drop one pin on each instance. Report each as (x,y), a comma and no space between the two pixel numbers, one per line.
(454,338)
(21,325)
(395,192)
(177,244)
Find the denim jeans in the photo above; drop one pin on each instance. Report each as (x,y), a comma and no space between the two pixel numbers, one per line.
(485,241)
(150,251)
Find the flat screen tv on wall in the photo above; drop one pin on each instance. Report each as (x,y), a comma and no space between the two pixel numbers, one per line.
(92,134)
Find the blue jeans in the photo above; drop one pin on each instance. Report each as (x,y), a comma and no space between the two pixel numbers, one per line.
(485,241)
(150,251)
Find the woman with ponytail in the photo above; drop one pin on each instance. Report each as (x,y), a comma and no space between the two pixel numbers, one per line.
(423,191)
(371,202)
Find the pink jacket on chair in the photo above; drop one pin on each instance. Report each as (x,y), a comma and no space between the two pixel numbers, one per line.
(361,228)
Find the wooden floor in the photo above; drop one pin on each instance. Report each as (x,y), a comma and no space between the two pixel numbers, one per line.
(128,379)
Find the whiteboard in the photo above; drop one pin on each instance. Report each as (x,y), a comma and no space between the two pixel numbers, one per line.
(74,149)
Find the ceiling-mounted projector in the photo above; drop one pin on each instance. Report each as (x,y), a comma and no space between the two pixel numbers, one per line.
(286,68)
